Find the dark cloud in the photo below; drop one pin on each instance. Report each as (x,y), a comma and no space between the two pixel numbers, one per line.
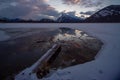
(26,9)
(84,3)
(14,12)
(87,13)
(91,3)
(48,10)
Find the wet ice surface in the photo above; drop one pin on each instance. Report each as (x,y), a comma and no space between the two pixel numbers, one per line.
(77,48)
(27,45)
(3,36)
(21,52)
(106,66)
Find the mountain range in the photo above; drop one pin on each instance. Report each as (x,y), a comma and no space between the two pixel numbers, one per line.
(66,18)
(108,14)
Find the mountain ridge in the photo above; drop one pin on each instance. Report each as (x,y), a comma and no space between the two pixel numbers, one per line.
(106,15)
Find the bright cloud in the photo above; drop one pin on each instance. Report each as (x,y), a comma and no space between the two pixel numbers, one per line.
(85,3)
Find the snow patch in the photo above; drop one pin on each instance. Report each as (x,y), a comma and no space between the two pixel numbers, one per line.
(105,13)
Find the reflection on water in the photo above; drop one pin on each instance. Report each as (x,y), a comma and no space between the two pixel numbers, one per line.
(21,52)
(70,36)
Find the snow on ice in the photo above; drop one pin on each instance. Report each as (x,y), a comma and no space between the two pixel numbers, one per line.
(106,66)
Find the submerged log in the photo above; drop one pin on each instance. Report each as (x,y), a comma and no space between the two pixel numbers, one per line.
(47,59)
(42,66)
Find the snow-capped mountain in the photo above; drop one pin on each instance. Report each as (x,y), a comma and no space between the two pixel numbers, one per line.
(107,14)
(66,18)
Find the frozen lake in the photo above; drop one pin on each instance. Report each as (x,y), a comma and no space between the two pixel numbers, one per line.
(81,26)
(105,67)
(55,25)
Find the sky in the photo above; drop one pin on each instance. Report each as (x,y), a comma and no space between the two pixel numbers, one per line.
(38,9)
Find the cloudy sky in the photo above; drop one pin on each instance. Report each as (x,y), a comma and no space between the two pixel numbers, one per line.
(37,9)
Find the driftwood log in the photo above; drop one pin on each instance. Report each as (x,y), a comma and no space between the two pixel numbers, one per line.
(42,66)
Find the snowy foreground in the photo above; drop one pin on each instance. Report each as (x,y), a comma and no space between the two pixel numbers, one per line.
(107,63)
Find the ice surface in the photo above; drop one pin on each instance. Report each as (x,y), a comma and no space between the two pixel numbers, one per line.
(3,36)
(107,63)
